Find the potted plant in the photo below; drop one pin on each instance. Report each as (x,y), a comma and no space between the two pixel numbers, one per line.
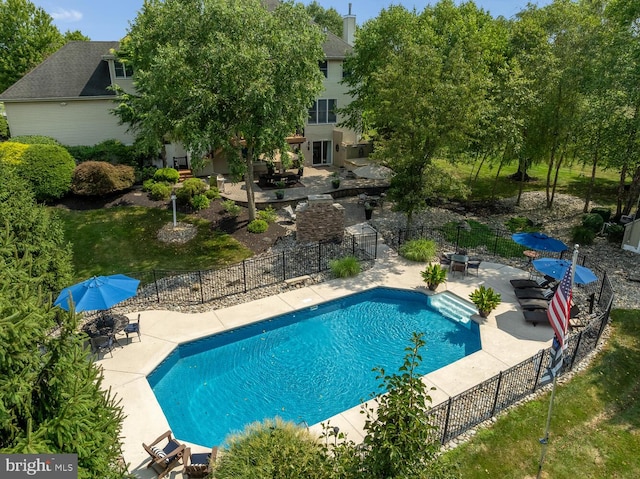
(434,275)
(279,194)
(368,210)
(335,179)
(485,299)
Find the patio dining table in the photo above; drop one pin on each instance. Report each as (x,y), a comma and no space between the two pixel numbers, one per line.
(106,325)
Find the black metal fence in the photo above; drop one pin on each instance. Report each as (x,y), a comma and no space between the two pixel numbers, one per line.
(472,407)
(197,287)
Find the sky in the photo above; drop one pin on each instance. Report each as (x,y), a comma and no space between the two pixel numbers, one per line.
(109,20)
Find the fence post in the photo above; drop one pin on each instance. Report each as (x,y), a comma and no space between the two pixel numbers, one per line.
(155,283)
(284,267)
(604,279)
(575,351)
(353,245)
(446,422)
(495,243)
(375,246)
(535,383)
(458,238)
(319,257)
(201,286)
(244,274)
(495,398)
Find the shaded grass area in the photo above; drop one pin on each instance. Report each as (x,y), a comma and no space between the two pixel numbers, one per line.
(572,180)
(595,427)
(124,239)
(481,235)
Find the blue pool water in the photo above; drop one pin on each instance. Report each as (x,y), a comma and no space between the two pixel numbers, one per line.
(303,366)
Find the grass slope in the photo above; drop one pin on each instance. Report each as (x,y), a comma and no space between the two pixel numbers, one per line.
(123,239)
(594,428)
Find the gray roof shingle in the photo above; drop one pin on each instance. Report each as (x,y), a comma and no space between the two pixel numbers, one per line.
(76,70)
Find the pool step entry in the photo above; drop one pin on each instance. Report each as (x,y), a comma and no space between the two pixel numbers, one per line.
(452,306)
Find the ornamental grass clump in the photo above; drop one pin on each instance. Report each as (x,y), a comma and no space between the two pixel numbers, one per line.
(420,250)
(345,267)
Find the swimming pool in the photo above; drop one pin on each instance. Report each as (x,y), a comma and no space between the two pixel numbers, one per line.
(304,366)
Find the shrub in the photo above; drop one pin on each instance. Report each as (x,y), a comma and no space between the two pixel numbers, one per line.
(582,235)
(420,250)
(604,212)
(160,191)
(345,267)
(199,202)
(231,207)
(258,226)
(168,175)
(112,151)
(11,152)
(35,140)
(49,170)
(212,193)
(268,214)
(145,173)
(4,128)
(274,449)
(615,233)
(593,221)
(148,184)
(190,188)
(97,178)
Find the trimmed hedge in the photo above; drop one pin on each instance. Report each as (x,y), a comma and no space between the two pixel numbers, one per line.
(168,175)
(160,191)
(200,202)
(257,226)
(48,168)
(98,178)
(35,140)
(4,128)
(191,187)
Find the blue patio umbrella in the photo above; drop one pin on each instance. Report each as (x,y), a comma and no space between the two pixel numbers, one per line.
(98,293)
(557,267)
(539,242)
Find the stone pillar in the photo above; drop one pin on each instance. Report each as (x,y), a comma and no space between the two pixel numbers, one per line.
(320,220)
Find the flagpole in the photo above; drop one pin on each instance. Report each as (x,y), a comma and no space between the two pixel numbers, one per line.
(545,440)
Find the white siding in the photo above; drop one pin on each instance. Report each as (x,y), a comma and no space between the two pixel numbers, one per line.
(71,122)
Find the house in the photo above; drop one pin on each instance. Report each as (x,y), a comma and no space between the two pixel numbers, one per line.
(68,97)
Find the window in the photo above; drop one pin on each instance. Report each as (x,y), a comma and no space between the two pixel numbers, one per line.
(324,68)
(323,111)
(123,70)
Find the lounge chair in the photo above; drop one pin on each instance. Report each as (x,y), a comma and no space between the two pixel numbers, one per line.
(529,283)
(199,464)
(540,317)
(164,458)
(533,293)
(529,304)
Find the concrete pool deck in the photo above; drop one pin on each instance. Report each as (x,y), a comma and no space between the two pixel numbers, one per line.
(506,340)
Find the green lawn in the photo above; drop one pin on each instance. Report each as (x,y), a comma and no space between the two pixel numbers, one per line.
(595,427)
(571,180)
(123,239)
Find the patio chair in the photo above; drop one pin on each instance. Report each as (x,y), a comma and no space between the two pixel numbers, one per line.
(102,344)
(133,328)
(536,317)
(163,459)
(199,464)
(474,264)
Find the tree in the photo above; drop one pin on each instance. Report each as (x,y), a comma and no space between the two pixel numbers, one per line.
(27,36)
(51,399)
(327,18)
(420,83)
(222,76)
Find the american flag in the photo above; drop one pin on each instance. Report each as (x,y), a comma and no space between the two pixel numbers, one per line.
(558,312)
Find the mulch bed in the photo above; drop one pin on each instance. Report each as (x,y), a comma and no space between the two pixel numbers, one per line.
(220,220)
